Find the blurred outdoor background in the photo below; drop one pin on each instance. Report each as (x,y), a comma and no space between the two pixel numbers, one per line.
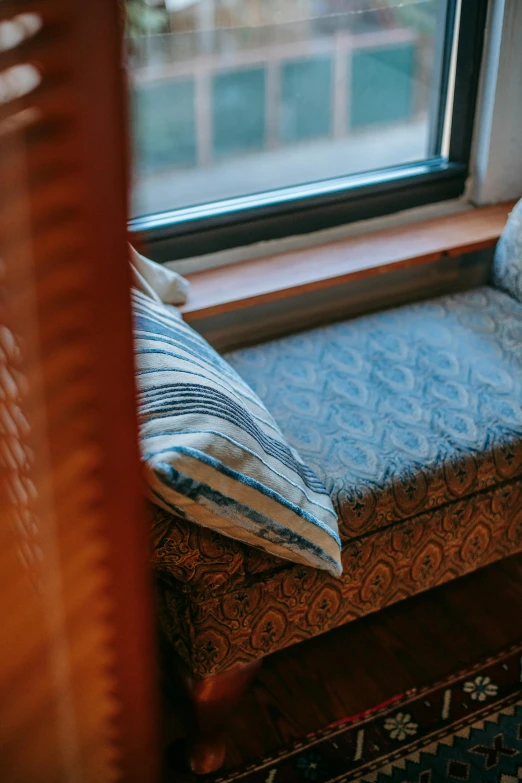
(234,97)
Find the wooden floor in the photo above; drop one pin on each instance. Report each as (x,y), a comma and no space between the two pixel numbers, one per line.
(364,663)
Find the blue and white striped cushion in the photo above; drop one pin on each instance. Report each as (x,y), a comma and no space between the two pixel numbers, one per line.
(213,453)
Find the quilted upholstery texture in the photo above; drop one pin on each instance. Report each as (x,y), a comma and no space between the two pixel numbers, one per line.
(413,419)
(404,410)
(215,630)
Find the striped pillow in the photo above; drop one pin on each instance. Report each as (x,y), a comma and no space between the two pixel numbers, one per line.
(214,455)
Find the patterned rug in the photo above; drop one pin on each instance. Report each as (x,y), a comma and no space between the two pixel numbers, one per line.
(466,728)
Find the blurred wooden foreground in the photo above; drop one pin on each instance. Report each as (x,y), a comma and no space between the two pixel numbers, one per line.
(77,679)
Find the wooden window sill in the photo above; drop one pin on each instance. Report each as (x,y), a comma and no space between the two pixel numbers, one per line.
(227,289)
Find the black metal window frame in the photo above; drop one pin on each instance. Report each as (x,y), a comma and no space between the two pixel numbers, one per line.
(208,228)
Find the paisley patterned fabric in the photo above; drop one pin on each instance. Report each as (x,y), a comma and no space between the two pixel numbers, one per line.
(201,559)
(215,630)
(413,419)
(507,267)
(404,410)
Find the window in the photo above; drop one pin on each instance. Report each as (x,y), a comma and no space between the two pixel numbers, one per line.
(254,119)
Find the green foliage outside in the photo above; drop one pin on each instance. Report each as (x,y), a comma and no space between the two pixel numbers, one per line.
(143,19)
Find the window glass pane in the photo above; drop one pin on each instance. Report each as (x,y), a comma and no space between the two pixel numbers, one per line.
(164,138)
(382,86)
(238,111)
(235,97)
(306,99)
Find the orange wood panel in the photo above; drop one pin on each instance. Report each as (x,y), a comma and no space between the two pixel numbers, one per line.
(77,657)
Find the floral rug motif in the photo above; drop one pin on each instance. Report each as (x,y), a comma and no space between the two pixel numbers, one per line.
(465,728)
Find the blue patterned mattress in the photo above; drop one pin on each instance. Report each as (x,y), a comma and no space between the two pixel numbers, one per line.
(404,410)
